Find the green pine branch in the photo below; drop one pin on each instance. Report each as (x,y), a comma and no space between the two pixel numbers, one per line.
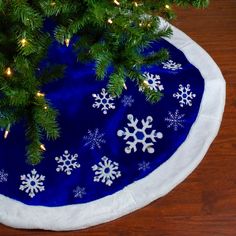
(113,34)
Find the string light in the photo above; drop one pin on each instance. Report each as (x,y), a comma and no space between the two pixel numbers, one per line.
(43,147)
(116,2)
(167,6)
(8,72)
(45,108)
(53,3)
(110,21)
(7,131)
(6,134)
(67,42)
(39,94)
(145,82)
(136,4)
(23,42)
(125,86)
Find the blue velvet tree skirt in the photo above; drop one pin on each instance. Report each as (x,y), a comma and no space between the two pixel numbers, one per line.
(115,155)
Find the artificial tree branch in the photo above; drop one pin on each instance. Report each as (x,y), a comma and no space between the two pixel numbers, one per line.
(110,33)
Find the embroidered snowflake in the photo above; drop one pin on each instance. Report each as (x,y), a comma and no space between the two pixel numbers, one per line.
(94,139)
(32,183)
(67,162)
(106,171)
(170,65)
(184,95)
(3,176)
(103,100)
(139,135)
(175,120)
(127,101)
(79,192)
(153,82)
(143,165)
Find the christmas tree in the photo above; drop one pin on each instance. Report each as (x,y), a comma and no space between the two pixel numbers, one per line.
(113,34)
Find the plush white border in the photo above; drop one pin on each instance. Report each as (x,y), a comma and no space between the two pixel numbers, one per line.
(155,185)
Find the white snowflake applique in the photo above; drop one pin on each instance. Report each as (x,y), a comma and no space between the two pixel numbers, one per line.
(94,139)
(3,176)
(32,183)
(136,135)
(152,81)
(127,101)
(103,100)
(106,171)
(79,192)
(175,120)
(144,166)
(67,162)
(171,65)
(184,95)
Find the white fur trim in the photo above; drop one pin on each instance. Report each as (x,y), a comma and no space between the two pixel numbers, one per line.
(153,186)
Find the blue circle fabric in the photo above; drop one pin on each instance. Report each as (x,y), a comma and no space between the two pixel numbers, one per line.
(106,143)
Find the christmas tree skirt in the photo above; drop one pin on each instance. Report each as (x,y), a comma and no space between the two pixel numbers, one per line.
(115,155)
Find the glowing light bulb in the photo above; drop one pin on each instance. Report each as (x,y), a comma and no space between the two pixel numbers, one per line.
(110,21)
(67,42)
(23,42)
(6,134)
(7,131)
(167,6)
(53,3)
(39,94)
(136,4)
(43,147)
(116,2)
(45,107)
(125,86)
(8,72)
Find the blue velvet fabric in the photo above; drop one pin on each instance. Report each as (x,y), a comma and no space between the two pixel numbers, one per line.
(73,97)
